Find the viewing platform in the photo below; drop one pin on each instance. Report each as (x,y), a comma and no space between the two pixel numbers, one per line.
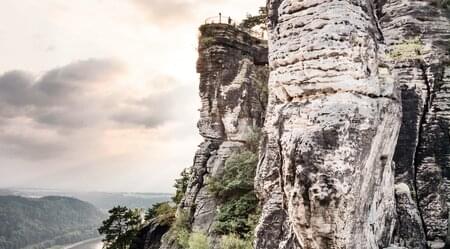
(227,20)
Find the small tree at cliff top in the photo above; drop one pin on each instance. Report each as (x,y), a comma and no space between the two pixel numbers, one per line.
(120,228)
(181,185)
(252,21)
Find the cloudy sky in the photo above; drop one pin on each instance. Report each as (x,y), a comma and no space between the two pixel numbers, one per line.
(101,94)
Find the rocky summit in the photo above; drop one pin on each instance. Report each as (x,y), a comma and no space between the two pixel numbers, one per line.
(351,101)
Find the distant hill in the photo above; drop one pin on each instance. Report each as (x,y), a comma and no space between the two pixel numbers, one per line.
(38,223)
(101,200)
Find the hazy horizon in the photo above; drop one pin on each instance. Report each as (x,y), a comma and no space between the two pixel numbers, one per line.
(101,95)
(68,190)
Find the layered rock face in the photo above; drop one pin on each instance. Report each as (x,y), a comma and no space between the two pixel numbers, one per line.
(422,153)
(233,89)
(326,178)
(355,117)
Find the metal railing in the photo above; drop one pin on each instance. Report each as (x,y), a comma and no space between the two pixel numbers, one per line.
(221,19)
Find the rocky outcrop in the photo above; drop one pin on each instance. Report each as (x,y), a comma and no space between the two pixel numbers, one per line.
(422,153)
(333,118)
(356,143)
(150,236)
(233,90)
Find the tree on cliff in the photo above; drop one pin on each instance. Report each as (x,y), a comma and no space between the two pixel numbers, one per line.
(181,185)
(252,21)
(121,227)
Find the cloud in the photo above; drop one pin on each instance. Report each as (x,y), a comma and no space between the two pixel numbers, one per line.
(19,146)
(167,12)
(58,86)
(76,77)
(72,106)
(157,109)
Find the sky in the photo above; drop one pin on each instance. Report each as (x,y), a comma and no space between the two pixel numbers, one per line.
(101,95)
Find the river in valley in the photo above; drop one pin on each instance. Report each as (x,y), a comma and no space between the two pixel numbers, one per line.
(88,244)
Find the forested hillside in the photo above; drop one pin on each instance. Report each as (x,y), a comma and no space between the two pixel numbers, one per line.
(102,200)
(44,222)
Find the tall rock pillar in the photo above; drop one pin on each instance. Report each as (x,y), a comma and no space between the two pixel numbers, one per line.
(233,89)
(326,179)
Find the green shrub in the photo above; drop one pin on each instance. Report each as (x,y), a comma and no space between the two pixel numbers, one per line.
(410,49)
(238,212)
(198,241)
(181,185)
(163,212)
(252,21)
(179,231)
(182,238)
(207,41)
(238,216)
(253,139)
(235,242)
(238,178)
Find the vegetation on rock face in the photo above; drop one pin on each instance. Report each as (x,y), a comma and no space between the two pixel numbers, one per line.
(181,185)
(410,49)
(238,216)
(238,212)
(121,227)
(163,212)
(234,242)
(180,230)
(253,21)
(238,177)
(198,241)
(206,41)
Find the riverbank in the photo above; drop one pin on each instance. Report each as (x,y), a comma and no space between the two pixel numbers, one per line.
(95,243)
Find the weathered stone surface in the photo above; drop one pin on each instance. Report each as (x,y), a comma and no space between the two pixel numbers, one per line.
(337,171)
(326,178)
(409,228)
(150,236)
(423,148)
(233,89)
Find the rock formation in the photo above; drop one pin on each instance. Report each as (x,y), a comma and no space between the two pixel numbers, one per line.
(150,236)
(233,90)
(355,152)
(423,150)
(326,178)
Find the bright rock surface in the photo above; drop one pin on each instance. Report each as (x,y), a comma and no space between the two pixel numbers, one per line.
(326,179)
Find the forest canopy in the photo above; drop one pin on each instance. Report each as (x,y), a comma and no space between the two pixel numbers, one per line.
(37,223)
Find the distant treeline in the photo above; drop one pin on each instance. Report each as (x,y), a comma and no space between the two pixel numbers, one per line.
(102,200)
(45,222)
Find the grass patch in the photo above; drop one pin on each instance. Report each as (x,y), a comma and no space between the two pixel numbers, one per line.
(410,49)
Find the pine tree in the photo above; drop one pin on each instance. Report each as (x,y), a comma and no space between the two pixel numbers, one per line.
(121,227)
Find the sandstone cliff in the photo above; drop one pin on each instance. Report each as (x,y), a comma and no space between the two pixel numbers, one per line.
(233,90)
(327,174)
(423,147)
(354,110)
(333,118)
